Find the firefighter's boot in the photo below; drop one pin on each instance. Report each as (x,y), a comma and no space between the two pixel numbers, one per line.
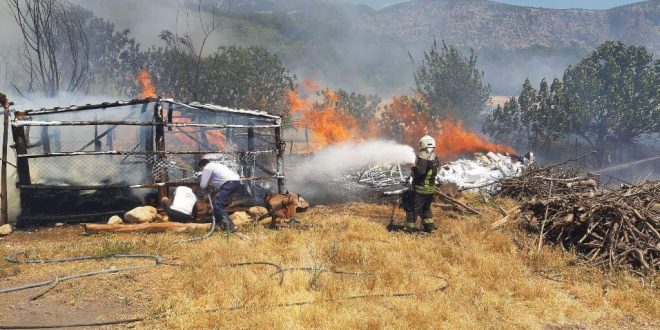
(410,222)
(429,225)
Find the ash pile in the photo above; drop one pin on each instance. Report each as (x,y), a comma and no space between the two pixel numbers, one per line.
(609,228)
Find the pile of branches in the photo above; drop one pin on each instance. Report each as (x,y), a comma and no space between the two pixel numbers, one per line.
(611,228)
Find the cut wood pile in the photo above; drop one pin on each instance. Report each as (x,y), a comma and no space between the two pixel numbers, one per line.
(611,228)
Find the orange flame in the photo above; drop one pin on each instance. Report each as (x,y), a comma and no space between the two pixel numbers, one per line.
(395,119)
(217,138)
(454,140)
(146,85)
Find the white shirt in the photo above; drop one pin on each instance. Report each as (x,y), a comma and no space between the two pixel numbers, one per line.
(184,200)
(216,175)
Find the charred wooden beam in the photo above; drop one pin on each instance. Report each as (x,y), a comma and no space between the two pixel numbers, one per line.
(105,105)
(20,123)
(161,175)
(22,164)
(4,218)
(281,148)
(135,186)
(132,153)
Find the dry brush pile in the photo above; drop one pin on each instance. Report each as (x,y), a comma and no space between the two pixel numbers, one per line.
(609,228)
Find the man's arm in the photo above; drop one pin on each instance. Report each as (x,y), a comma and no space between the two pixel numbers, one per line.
(206,176)
(421,166)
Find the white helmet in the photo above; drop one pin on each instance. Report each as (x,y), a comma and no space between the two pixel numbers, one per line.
(426,142)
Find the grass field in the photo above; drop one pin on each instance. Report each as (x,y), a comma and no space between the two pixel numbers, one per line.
(494,279)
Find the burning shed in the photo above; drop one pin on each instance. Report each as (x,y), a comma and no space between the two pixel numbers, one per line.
(85,163)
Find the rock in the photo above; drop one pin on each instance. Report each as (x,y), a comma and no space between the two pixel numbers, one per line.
(302,205)
(6,230)
(142,214)
(240,218)
(115,220)
(265,221)
(257,211)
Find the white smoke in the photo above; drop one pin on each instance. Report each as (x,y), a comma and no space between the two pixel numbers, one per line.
(343,158)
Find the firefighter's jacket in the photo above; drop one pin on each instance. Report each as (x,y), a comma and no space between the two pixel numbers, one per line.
(424,173)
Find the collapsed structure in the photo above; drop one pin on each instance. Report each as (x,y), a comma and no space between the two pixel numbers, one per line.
(85,163)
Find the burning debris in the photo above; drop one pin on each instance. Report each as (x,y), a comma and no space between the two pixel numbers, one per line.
(608,228)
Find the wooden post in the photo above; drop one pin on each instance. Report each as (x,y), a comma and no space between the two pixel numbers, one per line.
(97,140)
(161,175)
(250,141)
(279,145)
(4,219)
(22,166)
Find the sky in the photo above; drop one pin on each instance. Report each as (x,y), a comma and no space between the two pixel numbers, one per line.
(586,4)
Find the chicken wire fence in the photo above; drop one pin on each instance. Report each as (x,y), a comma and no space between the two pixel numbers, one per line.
(103,153)
(135,167)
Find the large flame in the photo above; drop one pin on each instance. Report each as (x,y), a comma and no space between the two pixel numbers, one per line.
(396,119)
(183,135)
(454,140)
(147,88)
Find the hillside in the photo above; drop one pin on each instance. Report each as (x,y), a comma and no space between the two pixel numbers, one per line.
(487,24)
(367,50)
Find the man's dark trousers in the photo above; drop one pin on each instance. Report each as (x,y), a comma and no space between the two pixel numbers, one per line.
(221,201)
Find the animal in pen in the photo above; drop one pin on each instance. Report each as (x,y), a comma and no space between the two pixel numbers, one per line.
(86,163)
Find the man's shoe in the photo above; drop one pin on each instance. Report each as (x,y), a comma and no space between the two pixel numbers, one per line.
(429,227)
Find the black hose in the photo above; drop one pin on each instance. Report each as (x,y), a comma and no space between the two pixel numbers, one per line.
(14,259)
(72,325)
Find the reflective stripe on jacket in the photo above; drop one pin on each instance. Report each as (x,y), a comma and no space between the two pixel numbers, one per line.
(424,174)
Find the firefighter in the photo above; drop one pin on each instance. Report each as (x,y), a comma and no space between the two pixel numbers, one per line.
(423,179)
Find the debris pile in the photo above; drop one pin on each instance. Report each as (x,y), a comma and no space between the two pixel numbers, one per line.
(484,171)
(379,176)
(609,228)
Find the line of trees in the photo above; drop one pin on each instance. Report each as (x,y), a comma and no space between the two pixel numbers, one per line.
(67,49)
(610,97)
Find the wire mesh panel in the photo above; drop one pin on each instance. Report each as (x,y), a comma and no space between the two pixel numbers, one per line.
(89,154)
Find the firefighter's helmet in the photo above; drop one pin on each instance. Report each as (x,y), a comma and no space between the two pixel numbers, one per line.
(426,142)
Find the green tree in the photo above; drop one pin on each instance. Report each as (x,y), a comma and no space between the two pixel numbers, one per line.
(613,94)
(504,123)
(451,83)
(362,107)
(246,77)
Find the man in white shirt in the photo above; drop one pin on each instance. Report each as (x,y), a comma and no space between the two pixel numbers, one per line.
(220,178)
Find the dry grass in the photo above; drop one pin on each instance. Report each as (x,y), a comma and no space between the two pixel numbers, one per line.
(494,280)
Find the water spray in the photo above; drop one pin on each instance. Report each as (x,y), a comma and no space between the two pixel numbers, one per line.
(626,165)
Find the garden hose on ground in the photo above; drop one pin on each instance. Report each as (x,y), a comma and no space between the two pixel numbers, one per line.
(14,259)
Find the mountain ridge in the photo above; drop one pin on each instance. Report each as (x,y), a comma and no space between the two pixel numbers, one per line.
(485,23)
